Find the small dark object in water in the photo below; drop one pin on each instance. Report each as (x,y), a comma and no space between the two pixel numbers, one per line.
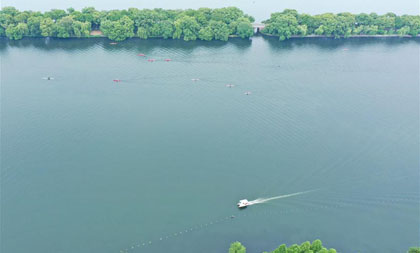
(232,217)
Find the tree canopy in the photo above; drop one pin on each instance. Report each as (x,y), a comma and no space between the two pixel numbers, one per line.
(237,247)
(118,25)
(203,24)
(342,25)
(306,247)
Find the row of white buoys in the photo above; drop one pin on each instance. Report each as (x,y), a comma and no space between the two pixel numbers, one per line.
(176,234)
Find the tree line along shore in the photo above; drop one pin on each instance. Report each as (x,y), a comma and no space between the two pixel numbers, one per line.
(203,24)
(306,247)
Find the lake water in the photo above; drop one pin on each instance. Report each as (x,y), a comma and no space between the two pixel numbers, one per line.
(92,165)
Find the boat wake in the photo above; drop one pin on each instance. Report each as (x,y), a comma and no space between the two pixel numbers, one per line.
(265,200)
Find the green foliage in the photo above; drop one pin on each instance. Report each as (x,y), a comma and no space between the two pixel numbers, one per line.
(16,32)
(47,27)
(118,30)
(34,25)
(220,30)
(244,28)
(81,29)
(282,24)
(64,27)
(205,33)
(414,250)
(290,23)
(204,23)
(237,247)
(186,27)
(306,247)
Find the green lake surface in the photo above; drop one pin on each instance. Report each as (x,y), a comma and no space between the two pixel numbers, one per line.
(93,165)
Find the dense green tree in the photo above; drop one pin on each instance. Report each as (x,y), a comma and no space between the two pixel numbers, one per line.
(205,33)
(186,27)
(81,29)
(21,17)
(64,27)
(47,27)
(244,28)
(281,249)
(6,20)
(306,247)
(142,33)
(302,30)
(414,250)
(9,10)
(16,32)
(204,23)
(282,25)
(316,245)
(403,31)
(226,15)
(414,25)
(55,14)
(118,30)
(342,24)
(34,25)
(220,30)
(237,247)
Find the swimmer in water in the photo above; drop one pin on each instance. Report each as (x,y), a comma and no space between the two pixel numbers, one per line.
(247,93)
(230,85)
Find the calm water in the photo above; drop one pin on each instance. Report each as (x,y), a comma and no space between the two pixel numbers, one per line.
(90,165)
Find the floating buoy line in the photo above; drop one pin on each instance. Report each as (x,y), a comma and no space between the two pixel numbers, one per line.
(330,202)
(145,243)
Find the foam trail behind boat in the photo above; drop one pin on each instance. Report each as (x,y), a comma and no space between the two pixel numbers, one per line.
(264,200)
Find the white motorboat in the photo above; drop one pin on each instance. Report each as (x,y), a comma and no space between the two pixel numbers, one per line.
(243,203)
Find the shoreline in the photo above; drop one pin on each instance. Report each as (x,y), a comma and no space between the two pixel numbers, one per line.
(349,37)
(393,36)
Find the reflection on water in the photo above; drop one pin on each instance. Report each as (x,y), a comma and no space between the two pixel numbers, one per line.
(130,44)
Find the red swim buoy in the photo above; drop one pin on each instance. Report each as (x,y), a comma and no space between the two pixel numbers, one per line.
(151,60)
(117,80)
(168,60)
(141,55)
